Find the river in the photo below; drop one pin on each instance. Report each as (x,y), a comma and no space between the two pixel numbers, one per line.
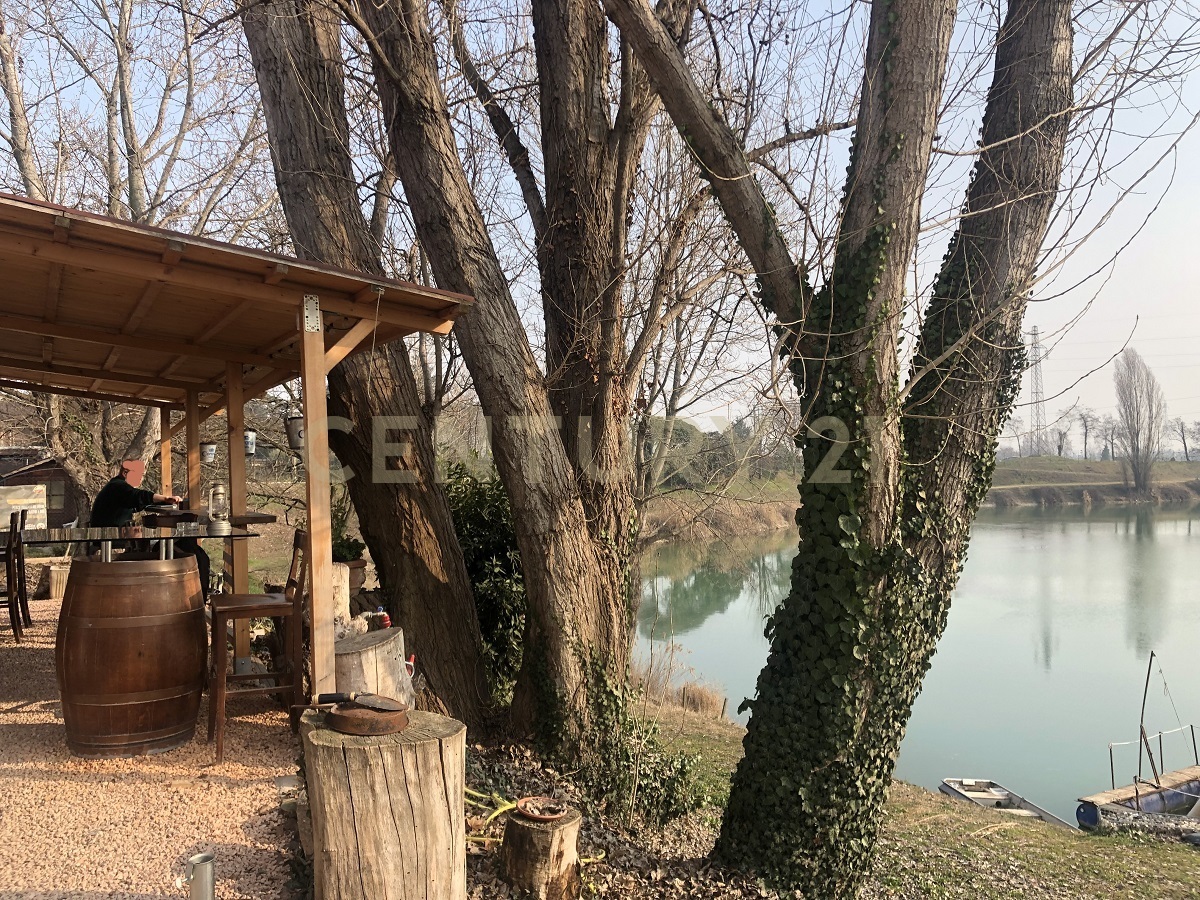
(1043,661)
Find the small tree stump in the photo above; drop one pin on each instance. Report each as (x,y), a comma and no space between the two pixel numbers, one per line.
(542,858)
(373,663)
(387,811)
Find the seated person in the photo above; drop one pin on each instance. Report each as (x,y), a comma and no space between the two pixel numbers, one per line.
(118,500)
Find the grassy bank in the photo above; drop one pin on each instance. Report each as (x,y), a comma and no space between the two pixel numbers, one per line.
(1056,481)
(745,507)
(931,846)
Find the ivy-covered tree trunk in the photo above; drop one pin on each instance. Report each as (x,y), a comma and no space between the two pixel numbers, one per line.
(896,474)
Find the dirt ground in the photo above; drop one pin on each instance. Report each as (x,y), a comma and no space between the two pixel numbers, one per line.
(123,828)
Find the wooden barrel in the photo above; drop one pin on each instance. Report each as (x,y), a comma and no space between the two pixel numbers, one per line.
(131,654)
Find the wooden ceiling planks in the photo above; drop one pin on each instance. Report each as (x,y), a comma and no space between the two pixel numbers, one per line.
(106,308)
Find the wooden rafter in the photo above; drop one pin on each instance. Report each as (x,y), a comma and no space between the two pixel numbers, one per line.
(17,364)
(348,342)
(201,350)
(40,387)
(201,278)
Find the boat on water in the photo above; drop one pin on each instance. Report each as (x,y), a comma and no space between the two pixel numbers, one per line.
(992,795)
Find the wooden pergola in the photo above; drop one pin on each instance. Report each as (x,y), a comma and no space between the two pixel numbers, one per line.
(105,309)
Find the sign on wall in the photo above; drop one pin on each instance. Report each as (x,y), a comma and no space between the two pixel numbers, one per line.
(30,497)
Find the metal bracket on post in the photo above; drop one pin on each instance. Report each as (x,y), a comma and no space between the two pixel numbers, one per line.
(312,313)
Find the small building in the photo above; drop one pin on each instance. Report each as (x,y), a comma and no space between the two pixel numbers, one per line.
(13,458)
(60,504)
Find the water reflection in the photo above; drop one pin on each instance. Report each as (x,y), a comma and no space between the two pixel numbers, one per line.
(1044,657)
(1144,595)
(686,584)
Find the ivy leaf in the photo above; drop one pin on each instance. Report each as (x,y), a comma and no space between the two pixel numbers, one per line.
(850,524)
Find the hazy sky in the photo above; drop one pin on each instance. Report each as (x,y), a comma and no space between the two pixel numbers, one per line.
(1151,293)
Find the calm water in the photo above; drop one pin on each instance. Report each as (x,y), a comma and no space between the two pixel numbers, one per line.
(1043,661)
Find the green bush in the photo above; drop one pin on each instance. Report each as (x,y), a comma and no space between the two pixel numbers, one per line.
(623,762)
(483,522)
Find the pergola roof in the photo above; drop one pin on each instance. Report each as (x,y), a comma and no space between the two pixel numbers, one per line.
(105,308)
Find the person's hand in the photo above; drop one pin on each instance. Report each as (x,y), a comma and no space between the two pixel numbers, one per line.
(174,498)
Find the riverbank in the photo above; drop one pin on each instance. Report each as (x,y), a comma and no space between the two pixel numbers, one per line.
(1049,481)
(696,516)
(929,845)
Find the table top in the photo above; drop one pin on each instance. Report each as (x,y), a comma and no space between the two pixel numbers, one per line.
(122,533)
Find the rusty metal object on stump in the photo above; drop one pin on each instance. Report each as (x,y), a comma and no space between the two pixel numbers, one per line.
(130,655)
(354,718)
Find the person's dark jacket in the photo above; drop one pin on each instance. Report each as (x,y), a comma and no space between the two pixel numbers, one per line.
(117,502)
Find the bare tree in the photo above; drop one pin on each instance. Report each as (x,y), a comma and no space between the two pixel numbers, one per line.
(1088,421)
(1016,430)
(405,518)
(1181,431)
(1060,433)
(1108,434)
(172,139)
(1141,419)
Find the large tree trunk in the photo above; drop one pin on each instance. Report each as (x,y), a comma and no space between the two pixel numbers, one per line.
(881,544)
(406,523)
(577,621)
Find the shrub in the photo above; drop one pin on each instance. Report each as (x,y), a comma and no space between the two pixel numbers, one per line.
(483,523)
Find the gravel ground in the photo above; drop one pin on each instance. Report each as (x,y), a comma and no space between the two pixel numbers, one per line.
(123,828)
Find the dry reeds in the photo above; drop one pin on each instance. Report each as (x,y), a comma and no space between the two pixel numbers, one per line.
(701,698)
(658,678)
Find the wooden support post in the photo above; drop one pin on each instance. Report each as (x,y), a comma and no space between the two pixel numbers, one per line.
(192,418)
(237,567)
(316,476)
(166,483)
(387,811)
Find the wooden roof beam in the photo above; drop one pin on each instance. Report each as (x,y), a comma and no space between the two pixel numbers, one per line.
(125,340)
(149,294)
(42,388)
(85,373)
(348,342)
(205,278)
(249,392)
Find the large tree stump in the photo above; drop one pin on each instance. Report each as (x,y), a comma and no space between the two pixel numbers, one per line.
(542,858)
(373,663)
(387,811)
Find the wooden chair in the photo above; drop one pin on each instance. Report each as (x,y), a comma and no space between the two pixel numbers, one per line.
(285,609)
(15,588)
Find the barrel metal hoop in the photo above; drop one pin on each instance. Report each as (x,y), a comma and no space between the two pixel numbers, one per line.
(132,621)
(170,693)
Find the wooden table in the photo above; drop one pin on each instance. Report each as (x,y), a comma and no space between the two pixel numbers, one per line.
(106,537)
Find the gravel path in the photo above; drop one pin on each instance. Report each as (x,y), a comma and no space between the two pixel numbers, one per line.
(122,828)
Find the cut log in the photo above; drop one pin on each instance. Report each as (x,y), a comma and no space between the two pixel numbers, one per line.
(387,811)
(373,663)
(542,858)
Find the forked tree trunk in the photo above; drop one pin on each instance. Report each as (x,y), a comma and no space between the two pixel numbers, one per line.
(881,543)
(406,523)
(577,623)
